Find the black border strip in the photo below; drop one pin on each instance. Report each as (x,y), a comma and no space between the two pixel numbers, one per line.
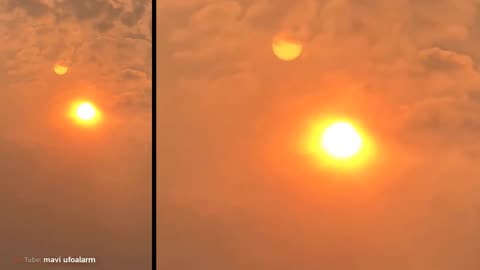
(154,134)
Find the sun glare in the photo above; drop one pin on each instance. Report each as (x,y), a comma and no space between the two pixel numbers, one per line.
(338,143)
(85,113)
(341,140)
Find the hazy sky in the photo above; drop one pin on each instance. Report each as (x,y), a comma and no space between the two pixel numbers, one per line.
(68,190)
(234,193)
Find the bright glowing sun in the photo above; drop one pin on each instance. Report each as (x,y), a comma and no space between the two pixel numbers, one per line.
(85,113)
(341,140)
(338,143)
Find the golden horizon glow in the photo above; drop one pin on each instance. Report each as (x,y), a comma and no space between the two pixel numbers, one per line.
(286,50)
(60,69)
(338,143)
(85,113)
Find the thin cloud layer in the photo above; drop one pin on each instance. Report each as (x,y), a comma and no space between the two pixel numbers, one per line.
(68,191)
(231,112)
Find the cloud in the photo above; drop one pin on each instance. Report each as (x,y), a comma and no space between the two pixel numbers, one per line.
(406,70)
(132,74)
(131,18)
(33,8)
(443,60)
(48,40)
(65,185)
(87,10)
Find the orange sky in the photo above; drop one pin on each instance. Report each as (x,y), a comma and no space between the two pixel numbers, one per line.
(234,193)
(68,190)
